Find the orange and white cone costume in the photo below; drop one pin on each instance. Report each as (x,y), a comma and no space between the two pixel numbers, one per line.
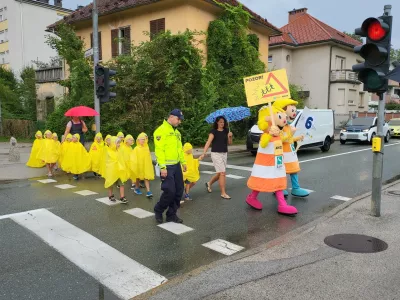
(269,173)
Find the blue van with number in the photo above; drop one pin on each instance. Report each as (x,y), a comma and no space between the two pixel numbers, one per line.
(323,135)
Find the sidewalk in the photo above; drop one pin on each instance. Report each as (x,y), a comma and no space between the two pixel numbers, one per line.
(16,171)
(300,265)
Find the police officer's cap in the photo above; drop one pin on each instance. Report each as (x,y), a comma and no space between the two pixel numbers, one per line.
(178,113)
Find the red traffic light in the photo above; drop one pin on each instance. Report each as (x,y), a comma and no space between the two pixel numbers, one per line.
(375,31)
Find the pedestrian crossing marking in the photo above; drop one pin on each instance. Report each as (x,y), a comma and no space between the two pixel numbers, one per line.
(107,201)
(65,186)
(139,213)
(229,175)
(223,247)
(341,198)
(208,172)
(113,269)
(47,180)
(86,193)
(307,190)
(175,228)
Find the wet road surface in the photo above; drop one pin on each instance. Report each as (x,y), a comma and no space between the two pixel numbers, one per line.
(37,265)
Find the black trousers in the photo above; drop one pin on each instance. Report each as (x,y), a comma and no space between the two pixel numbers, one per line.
(172,187)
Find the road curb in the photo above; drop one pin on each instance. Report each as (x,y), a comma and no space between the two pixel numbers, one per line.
(292,235)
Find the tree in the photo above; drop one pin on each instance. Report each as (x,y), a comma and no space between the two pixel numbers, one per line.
(27,92)
(392,106)
(11,104)
(394,55)
(354,36)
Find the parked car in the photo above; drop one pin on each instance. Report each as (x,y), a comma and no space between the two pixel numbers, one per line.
(394,125)
(323,137)
(362,130)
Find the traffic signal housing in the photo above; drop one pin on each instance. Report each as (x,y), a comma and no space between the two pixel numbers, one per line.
(104,83)
(376,53)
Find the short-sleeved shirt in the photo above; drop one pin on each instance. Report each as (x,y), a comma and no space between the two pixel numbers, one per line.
(220,141)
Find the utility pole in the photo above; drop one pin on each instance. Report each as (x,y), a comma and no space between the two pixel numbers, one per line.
(95,62)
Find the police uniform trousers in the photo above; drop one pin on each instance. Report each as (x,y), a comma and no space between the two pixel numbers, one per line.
(172,187)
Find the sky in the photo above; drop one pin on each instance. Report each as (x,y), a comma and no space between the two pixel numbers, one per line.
(344,15)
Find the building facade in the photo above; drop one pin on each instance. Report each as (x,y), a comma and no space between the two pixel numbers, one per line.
(22,31)
(319,58)
(124,22)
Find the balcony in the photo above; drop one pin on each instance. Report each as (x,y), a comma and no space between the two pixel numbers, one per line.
(344,76)
(49,75)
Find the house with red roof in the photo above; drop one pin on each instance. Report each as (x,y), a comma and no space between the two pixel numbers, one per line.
(122,22)
(319,58)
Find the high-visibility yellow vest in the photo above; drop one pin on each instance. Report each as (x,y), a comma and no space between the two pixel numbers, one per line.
(168,145)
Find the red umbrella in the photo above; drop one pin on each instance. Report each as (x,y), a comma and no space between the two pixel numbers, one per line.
(81,111)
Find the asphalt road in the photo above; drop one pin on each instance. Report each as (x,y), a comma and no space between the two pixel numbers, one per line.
(70,248)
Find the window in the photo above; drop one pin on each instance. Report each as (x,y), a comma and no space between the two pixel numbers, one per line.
(340,63)
(288,58)
(361,100)
(270,59)
(120,41)
(1,18)
(156,27)
(341,96)
(352,97)
(91,44)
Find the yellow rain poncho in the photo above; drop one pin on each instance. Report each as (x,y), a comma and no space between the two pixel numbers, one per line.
(96,153)
(57,145)
(76,159)
(64,148)
(121,136)
(126,149)
(192,173)
(115,165)
(141,162)
(33,161)
(107,142)
(48,152)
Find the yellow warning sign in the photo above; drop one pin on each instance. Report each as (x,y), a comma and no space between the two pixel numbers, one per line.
(267,87)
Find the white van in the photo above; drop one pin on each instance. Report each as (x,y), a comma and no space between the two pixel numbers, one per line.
(323,135)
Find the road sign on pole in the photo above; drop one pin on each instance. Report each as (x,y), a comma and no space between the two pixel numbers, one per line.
(89,52)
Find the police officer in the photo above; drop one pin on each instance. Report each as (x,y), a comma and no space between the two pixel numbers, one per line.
(169,153)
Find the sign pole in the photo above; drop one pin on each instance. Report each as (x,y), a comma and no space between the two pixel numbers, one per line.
(95,62)
(377,165)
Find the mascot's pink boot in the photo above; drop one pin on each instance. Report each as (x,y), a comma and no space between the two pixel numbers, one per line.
(253,201)
(283,207)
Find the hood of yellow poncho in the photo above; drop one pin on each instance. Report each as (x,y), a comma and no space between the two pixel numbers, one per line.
(38,134)
(69,137)
(127,138)
(120,135)
(98,135)
(55,135)
(141,137)
(113,143)
(187,147)
(77,136)
(46,133)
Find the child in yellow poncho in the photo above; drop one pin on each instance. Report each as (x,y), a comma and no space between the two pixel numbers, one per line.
(116,171)
(107,142)
(126,149)
(33,161)
(142,164)
(57,149)
(96,154)
(48,152)
(192,174)
(65,146)
(121,136)
(77,159)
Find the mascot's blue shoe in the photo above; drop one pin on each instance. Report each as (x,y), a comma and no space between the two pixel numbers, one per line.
(300,192)
(285,193)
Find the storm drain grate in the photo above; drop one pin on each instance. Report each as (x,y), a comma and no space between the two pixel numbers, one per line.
(394,193)
(356,243)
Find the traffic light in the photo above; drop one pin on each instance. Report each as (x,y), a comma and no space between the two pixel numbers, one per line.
(103,83)
(376,53)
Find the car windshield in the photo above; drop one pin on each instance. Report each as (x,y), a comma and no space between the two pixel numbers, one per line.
(394,122)
(360,122)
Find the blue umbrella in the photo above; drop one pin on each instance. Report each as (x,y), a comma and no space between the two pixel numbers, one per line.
(231,114)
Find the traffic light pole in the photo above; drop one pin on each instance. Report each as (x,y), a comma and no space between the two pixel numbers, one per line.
(378,162)
(95,62)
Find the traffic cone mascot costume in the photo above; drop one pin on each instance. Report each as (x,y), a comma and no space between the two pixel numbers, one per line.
(269,174)
(290,159)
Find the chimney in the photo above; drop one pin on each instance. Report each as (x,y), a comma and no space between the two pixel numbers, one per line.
(295,13)
(58,3)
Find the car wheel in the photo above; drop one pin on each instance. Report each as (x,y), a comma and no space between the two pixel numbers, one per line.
(327,144)
(387,137)
(254,153)
(343,142)
(372,136)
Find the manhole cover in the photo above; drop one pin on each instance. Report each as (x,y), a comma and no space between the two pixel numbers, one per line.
(356,243)
(394,193)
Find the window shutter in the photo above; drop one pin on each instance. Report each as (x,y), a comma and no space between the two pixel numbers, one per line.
(114,42)
(126,47)
(161,25)
(91,40)
(153,29)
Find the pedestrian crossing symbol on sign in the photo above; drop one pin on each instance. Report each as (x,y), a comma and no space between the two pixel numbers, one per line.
(278,161)
(292,148)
